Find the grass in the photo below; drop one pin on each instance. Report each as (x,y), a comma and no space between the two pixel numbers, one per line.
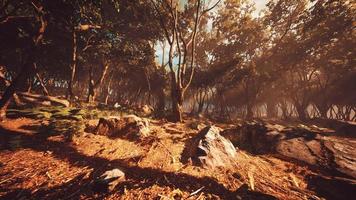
(62,120)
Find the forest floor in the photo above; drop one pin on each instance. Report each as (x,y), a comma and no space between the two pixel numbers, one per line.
(39,159)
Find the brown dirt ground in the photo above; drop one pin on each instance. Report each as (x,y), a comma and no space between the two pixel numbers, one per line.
(35,166)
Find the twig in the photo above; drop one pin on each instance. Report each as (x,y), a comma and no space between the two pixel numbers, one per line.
(165,177)
(196,192)
(251,180)
(163,196)
(3,181)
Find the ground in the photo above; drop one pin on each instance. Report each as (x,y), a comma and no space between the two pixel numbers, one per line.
(46,163)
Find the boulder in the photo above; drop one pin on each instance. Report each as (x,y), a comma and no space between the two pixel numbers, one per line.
(210,150)
(308,144)
(252,136)
(129,126)
(137,125)
(146,110)
(109,180)
(196,125)
(108,126)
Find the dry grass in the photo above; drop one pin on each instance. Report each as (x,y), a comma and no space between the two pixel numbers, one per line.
(51,167)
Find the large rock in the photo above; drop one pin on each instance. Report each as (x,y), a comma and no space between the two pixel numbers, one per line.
(147,110)
(309,144)
(196,125)
(129,126)
(210,150)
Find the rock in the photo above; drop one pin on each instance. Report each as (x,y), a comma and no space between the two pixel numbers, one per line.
(117,105)
(251,136)
(147,110)
(109,180)
(302,143)
(139,126)
(102,105)
(210,150)
(196,125)
(129,126)
(108,126)
(332,187)
(341,128)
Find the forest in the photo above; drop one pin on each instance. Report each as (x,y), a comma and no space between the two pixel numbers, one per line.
(177,99)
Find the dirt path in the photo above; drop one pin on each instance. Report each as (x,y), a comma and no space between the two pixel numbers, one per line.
(36,165)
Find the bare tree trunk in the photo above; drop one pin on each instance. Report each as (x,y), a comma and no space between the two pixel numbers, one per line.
(10,90)
(108,90)
(91,92)
(302,112)
(177,104)
(40,80)
(29,84)
(323,110)
(249,112)
(272,110)
(182,77)
(7,83)
(44,89)
(73,66)
(92,85)
(28,68)
(161,101)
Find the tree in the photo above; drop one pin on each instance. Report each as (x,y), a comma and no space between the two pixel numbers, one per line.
(28,67)
(182,42)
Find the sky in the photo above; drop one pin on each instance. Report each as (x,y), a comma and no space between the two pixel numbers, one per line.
(260,5)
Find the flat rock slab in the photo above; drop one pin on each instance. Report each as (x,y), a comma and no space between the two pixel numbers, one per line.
(210,150)
(308,144)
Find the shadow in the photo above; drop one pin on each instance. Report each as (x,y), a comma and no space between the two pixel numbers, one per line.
(30,127)
(16,194)
(257,139)
(299,133)
(298,144)
(80,187)
(179,136)
(332,188)
(341,128)
(244,193)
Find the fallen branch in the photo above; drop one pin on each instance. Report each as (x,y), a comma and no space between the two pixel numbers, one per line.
(40,99)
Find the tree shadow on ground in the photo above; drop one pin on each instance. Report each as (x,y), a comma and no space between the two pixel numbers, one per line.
(80,186)
(332,188)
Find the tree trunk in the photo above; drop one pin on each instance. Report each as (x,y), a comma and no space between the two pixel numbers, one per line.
(302,112)
(249,112)
(40,80)
(73,66)
(91,91)
(92,85)
(272,111)
(284,107)
(44,89)
(10,90)
(108,90)
(177,104)
(27,69)
(161,104)
(29,84)
(7,83)
(323,110)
